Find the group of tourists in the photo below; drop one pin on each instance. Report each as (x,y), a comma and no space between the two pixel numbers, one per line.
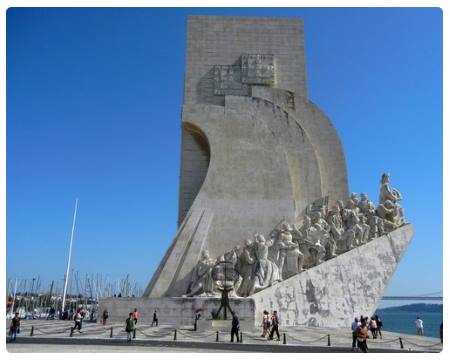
(360,331)
(270,325)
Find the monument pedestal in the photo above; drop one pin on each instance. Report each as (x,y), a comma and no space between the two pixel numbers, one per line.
(328,295)
(177,311)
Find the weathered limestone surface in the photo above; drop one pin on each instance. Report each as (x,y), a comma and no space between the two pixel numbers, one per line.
(174,311)
(254,148)
(334,292)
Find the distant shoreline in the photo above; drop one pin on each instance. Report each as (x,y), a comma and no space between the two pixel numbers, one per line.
(417,307)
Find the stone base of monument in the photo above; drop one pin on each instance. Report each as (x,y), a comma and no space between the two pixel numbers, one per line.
(178,311)
(328,295)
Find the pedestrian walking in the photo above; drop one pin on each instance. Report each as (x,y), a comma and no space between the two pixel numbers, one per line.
(105,316)
(235,328)
(275,323)
(51,314)
(419,326)
(379,325)
(362,336)
(196,319)
(155,318)
(266,323)
(14,327)
(83,315)
(77,319)
(129,326)
(373,327)
(135,316)
(355,326)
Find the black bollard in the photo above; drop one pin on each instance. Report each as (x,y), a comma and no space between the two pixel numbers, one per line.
(329,340)
(111,332)
(284,338)
(71,332)
(134,333)
(401,342)
(175,335)
(217,336)
(32,331)
(241,338)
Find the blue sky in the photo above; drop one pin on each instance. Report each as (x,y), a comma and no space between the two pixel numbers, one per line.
(94,100)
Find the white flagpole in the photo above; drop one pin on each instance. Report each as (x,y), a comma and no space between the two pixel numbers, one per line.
(70,255)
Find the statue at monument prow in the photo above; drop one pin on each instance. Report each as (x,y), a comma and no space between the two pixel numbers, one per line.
(255,150)
(292,248)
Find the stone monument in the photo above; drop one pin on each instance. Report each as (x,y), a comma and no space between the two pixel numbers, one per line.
(263,189)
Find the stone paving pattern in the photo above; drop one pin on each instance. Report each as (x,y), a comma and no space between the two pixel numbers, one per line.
(297,340)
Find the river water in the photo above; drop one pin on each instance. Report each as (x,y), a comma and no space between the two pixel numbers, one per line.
(404,321)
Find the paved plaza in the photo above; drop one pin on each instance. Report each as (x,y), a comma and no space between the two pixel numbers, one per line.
(55,335)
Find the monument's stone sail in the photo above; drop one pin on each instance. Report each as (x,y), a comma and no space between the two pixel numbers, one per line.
(254,148)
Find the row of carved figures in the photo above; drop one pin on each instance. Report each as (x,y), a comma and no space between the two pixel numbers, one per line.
(291,248)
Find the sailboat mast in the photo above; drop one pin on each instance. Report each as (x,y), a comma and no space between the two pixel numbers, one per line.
(66,278)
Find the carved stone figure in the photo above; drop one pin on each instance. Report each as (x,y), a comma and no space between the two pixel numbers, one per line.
(390,215)
(266,271)
(317,252)
(278,253)
(323,229)
(246,266)
(365,234)
(202,282)
(317,219)
(303,237)
(364,204)
(232,257)
(354,199)
(374,222)
(387,192)
(336,224)
(293,258)
(353,231)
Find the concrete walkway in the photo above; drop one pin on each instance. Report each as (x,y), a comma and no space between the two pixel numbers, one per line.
(162,338)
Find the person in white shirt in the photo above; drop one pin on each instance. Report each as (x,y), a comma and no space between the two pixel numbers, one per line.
(419,326)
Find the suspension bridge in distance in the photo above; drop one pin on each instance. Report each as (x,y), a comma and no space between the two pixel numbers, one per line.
(436,296)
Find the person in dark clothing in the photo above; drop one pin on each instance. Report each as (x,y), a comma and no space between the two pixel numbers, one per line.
(51,314)
(105,316)
(155,318)
(196,319)
(77,320)
(14,328)
(355,326)
(379,325)
(275,323)
(235,328)
(129,327)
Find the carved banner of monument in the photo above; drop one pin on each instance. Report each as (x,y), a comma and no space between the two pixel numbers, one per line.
(264,211)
